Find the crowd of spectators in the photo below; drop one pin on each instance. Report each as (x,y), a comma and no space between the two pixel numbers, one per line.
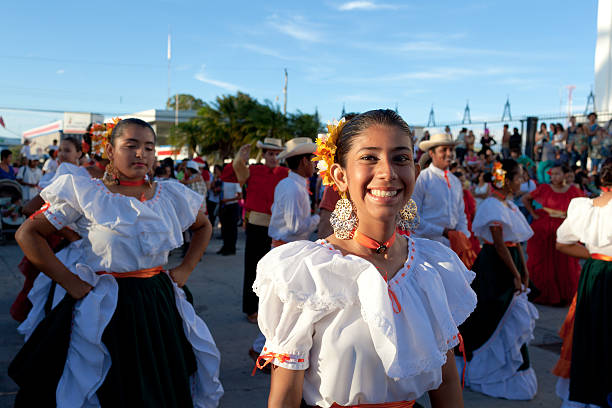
(579,149)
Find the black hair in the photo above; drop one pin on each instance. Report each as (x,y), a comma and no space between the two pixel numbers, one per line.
(565,168)
(160,171)
(124,123)
(458,174)
(361,122)
(605,174)
(74,141)
(293,162)
(557,165)
(5,153)
(488,177)
(511,167)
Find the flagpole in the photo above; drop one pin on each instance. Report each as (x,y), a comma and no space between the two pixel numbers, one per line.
(169,58)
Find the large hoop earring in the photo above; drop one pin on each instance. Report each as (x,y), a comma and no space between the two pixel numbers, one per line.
(343,219)
(110,174)
(408,219)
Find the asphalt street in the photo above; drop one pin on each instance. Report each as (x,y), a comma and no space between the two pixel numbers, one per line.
(216,284)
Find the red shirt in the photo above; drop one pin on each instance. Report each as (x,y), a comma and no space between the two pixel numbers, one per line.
(547,197)
(205,175)
(260,185)
(228,175)
(330,198)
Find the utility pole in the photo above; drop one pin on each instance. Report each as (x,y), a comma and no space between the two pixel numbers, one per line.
(169,58)
(176,100)
(570,90)
(285,93)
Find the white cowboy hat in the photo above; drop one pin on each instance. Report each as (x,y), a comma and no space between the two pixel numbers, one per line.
(193,165)
(271,143)
(440,139)
(298,146)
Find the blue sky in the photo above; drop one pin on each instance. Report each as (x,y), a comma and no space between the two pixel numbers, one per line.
(110,57)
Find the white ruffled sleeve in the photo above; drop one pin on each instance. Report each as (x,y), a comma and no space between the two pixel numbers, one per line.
(186,202)
(587,224)
(294,294)
(63,204)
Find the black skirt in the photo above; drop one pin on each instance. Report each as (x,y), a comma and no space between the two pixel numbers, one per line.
(494,287)
(591,369)
(152,360)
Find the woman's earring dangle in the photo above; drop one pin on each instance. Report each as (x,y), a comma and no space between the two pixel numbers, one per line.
(408,219)
(344,219)
(110,174)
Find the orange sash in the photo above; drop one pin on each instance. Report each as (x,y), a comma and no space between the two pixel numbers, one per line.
(277,243)
(602,257)
(507,243)
(141,273)
(398,404)
(460,244)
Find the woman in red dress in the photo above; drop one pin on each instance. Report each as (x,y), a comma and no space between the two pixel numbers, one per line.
(552,272)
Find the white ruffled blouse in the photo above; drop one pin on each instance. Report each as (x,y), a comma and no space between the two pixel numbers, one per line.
(588,224)
(331,315)
(491,212)
(63,169)
(120,234)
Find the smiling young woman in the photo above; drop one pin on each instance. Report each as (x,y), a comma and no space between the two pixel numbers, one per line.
(371,319)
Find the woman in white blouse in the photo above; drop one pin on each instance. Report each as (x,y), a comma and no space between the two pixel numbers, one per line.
(125,333)
(589,222)
(497,333)
(368,320)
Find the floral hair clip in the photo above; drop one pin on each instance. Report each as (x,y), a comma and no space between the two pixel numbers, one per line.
(326,151)
(499,175)
(100,135)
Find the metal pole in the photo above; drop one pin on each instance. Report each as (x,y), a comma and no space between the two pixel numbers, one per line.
(285,93)
(176,99)
(169,58)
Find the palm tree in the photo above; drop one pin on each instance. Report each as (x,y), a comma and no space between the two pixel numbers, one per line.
(188,134)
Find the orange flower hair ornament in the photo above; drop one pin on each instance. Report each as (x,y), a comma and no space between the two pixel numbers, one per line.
(326,151)
(499,175)
(100,135)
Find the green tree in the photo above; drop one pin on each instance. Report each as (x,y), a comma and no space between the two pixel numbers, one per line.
(304,124)
(227,124)
(185,102)
(188,134)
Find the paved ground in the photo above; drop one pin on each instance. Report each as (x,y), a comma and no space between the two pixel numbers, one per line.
(217,286)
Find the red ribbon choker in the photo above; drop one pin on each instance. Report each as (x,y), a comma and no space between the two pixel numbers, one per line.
(368,242)
(131,183)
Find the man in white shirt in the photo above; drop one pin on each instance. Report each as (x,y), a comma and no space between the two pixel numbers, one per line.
(291,219)
(438,194)
(29,176)
(25,150)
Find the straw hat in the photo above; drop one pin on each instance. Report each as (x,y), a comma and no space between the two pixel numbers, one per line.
(440,139)
(298,146)
(193,166)
(271,143)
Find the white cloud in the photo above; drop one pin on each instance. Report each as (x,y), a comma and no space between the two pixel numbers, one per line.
(60,71)
(365,5)
(202,77)
(296,27)
(268,52)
